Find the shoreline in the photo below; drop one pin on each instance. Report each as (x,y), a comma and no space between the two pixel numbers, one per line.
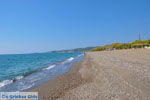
(105,75)
(60,84)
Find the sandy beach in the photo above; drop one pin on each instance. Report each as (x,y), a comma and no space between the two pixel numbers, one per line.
(105,75)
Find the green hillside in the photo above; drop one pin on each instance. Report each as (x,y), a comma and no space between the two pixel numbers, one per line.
(134,44)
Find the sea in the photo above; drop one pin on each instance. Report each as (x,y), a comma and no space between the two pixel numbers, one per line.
(20,72)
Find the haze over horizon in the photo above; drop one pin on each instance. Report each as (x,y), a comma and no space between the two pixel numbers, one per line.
(28,26)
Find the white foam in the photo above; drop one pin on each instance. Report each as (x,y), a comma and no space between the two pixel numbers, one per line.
(50,67)
(19,77)
(26,87)
(70,59)
(5,82)
(80,55)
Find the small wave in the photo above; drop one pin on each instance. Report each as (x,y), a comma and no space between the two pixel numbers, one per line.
(18,77)
(80,55)
(5,82)
(26,87)
(70,59)
(50,67)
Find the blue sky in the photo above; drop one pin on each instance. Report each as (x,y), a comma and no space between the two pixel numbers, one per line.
(43,25)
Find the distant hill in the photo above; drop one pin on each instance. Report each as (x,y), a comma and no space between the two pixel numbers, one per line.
(74,50)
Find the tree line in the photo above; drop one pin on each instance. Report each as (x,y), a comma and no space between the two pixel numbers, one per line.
(134,44)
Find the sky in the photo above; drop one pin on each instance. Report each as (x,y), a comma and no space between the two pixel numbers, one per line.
(28,26)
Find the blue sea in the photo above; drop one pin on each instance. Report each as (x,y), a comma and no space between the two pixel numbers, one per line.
(20,72)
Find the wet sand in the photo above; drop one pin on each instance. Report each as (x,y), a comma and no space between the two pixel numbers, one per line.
(105,75)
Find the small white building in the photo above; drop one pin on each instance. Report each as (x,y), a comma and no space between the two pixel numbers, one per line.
(147,47)
(109,48)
